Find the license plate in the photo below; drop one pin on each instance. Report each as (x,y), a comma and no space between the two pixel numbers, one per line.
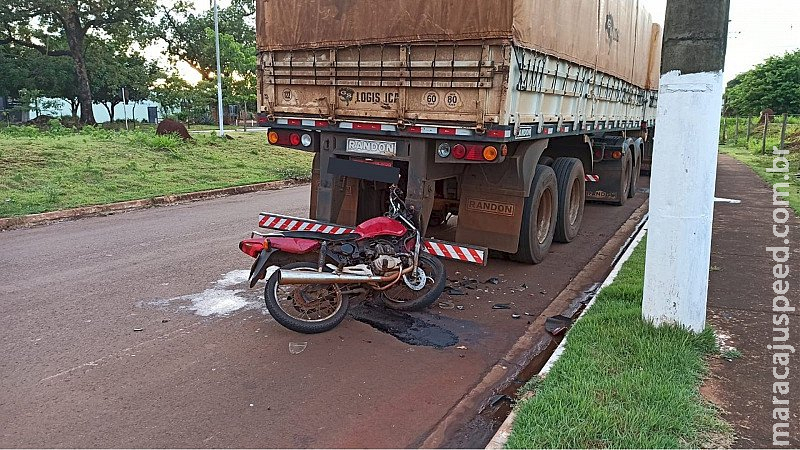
(366,146)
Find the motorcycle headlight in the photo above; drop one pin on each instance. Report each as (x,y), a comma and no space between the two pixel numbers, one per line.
(443,150)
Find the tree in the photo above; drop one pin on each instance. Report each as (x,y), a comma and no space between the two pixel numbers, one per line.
(111,68)
(191,39)
(774,84)
(183,101)
(26,70)
(39,24)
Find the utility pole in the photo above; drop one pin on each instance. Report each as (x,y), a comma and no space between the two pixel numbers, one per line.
(685,158)
(219,70)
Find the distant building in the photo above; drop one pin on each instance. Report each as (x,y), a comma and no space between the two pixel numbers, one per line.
(10,111)
(134,111)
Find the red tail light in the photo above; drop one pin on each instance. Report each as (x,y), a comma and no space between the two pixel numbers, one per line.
(294,139)
(475,152)
(253,247)
(459,151)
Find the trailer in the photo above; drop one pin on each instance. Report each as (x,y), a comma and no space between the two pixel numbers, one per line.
(508,114)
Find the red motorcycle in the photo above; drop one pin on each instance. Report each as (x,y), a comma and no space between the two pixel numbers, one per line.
(382,255)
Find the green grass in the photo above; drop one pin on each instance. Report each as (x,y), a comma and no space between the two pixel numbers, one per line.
(622,383)
(63,168)
(759,163)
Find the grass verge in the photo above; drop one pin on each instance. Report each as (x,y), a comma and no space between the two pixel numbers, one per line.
(622,383)
(50,170)
(759,163)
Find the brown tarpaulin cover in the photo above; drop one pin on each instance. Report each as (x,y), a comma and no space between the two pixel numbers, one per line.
(608,34)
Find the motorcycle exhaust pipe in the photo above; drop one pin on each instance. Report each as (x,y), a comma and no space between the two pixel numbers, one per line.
(308,277)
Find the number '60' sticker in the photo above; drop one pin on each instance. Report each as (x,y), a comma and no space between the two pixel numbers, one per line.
(431,98)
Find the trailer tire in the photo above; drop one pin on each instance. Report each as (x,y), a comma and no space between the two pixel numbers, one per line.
(571,198)
(538,218)
(625,179)
(637,170)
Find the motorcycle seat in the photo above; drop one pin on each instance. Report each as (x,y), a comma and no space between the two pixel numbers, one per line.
(321,236)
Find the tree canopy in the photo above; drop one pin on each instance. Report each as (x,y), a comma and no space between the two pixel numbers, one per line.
(773,84)
(85,51)
(58,28)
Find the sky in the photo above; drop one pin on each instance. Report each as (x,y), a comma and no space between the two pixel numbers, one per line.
(757,30)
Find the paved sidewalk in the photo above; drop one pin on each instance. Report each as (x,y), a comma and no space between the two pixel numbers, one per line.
(740,306)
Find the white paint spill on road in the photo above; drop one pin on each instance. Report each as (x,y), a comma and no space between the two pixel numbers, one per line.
(218,302)
(233,278)
(222,299)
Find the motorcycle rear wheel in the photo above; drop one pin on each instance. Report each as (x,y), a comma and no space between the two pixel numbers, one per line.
(305,308)
(403,298)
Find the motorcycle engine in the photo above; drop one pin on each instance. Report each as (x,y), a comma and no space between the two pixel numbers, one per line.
(384,264)
(384,257)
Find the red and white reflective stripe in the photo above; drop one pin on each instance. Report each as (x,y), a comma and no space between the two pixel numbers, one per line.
(455,251)
(288,223)
(593,178)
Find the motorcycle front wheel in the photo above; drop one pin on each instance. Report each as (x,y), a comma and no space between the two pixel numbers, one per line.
(415,293)
(305,308)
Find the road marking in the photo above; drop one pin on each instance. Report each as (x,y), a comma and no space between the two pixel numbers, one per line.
(726,200)
(97,361)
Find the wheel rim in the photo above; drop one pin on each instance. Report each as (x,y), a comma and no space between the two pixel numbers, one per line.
(309,302)
(544,215)
(401,293)
(574,201)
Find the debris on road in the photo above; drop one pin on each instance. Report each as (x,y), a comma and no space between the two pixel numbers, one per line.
(297,347)
(138,329)
(501,306)
(493,280)
(515,316)
(558,324)
(451,290)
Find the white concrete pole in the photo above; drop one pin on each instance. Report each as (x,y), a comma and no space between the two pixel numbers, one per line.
(219,70)
(124,109)
(685,163)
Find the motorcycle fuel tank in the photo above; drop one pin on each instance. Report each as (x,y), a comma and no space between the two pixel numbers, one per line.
(381,226)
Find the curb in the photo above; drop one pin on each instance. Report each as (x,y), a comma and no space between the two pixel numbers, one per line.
(534,343)
(10,223)
(500,438)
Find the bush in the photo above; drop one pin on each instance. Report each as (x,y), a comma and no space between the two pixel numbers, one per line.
(28,131)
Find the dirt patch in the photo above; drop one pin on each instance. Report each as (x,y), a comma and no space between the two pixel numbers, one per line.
(712,391)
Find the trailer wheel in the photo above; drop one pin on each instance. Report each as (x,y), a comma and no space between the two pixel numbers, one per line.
(571,197)
(625,179)
(637,170)
(538,218)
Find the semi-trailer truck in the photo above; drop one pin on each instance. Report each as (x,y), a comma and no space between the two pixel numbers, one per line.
(508,114)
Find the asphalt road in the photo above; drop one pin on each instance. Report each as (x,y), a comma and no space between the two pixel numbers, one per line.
(136,330)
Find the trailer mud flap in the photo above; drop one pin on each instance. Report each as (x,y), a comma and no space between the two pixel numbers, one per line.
(604,184)
(491,219)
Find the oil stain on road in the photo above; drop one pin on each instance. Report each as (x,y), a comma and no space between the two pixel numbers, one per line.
(409,329)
